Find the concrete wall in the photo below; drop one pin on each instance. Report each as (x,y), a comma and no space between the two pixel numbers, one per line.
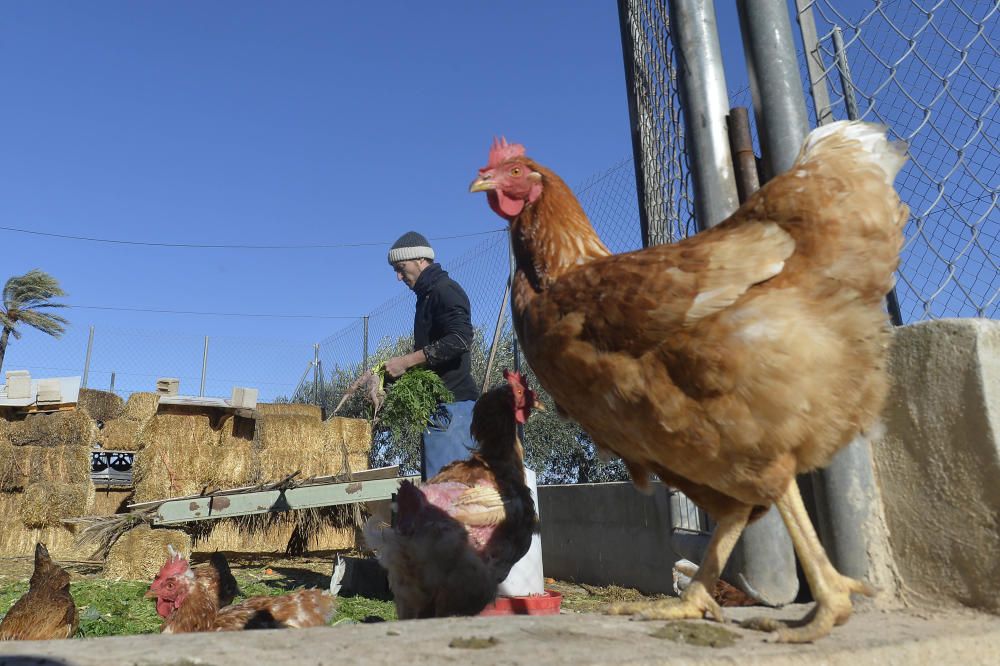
(939,464)
(607,534)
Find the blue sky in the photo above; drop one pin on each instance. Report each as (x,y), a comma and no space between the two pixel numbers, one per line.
(281,124)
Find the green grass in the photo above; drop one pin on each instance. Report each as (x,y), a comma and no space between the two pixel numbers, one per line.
(117,608)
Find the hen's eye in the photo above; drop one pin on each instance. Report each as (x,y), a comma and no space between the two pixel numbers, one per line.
(516,171)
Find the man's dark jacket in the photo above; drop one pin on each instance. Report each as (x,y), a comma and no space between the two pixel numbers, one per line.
(442,327)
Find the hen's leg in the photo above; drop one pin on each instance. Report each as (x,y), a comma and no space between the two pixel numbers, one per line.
(830,589)
(697,598)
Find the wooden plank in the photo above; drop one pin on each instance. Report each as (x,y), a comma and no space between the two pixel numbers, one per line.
(266,501)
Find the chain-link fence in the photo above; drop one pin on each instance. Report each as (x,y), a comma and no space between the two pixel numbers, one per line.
(929,70)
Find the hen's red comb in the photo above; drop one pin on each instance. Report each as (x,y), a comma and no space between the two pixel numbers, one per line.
(175,564)
(515,378)
(501,151)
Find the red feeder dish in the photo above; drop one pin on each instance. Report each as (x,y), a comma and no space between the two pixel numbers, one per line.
(541,604)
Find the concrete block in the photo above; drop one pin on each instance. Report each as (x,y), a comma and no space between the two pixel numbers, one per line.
(939,464)
(18,384)
(168,385)
(244,397)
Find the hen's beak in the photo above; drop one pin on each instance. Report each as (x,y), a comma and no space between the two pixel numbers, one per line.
(149,594)
(483,184)
(540,406)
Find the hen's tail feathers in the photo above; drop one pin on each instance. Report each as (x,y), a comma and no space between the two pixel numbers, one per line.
(339,568)
(867,140)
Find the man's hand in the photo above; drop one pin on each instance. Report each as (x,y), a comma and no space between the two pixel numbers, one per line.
(396,366)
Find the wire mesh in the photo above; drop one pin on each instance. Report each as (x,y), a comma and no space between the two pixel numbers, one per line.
(929,70)
(654,108)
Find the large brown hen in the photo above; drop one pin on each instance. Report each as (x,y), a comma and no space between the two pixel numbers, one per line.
(456,537)
(731,361)
(46,610)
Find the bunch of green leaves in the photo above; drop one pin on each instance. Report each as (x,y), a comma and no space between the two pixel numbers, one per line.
(411,399)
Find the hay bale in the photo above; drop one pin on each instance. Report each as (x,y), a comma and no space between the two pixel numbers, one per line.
(45,504)
(140,552)
(140,407)
(100,405)
(354,434)
(24,465)
(185,455)
(274,534)
(18,540)
(108,502)
(72,428)
(128,430)
(288,409)
(296,443)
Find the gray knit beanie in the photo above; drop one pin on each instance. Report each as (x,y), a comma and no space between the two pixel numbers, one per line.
(410,245)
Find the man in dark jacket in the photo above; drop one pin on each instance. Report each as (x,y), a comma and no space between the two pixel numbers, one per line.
(442,340)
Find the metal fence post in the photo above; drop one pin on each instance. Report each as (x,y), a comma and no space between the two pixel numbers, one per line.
(778,101)
(814,62)
(112,388)
(316,374)
(705,102)
(364,342)
(204,368)
(86,361)
(763,562)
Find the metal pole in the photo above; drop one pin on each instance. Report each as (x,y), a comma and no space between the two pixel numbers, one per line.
(364,360)
(322,392)
(853,113)
(778,101)
(850,101)
(86,361)
(814,62)
(744,159)
(112,388)
(496,337)
(204,368)
(705,102)
(316,374)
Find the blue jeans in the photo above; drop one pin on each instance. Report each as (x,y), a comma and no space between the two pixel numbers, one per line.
(446,438)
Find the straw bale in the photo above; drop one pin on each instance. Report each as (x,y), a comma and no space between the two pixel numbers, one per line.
(100,405)
(108,502)
(270,535)
(4,429)
(72,428)
(356,434)
(288,409)
(122,435)
(17,540)
(185,455)
(45,504)
(140,406)
(299,443)
(140,552)
(23,465)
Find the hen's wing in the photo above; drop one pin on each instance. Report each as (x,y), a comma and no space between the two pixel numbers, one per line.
(306,608)
(631,302)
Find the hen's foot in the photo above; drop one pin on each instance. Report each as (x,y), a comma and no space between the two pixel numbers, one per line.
(833,610)
(692,605)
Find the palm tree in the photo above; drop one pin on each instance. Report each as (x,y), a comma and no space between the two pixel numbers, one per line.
(25,297)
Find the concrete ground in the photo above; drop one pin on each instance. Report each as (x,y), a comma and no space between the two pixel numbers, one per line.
(871,637)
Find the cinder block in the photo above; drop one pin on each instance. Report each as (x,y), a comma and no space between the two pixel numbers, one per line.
(18,384)
(168,385)
(243,397)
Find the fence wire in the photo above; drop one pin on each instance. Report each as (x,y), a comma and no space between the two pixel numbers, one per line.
(929,70)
